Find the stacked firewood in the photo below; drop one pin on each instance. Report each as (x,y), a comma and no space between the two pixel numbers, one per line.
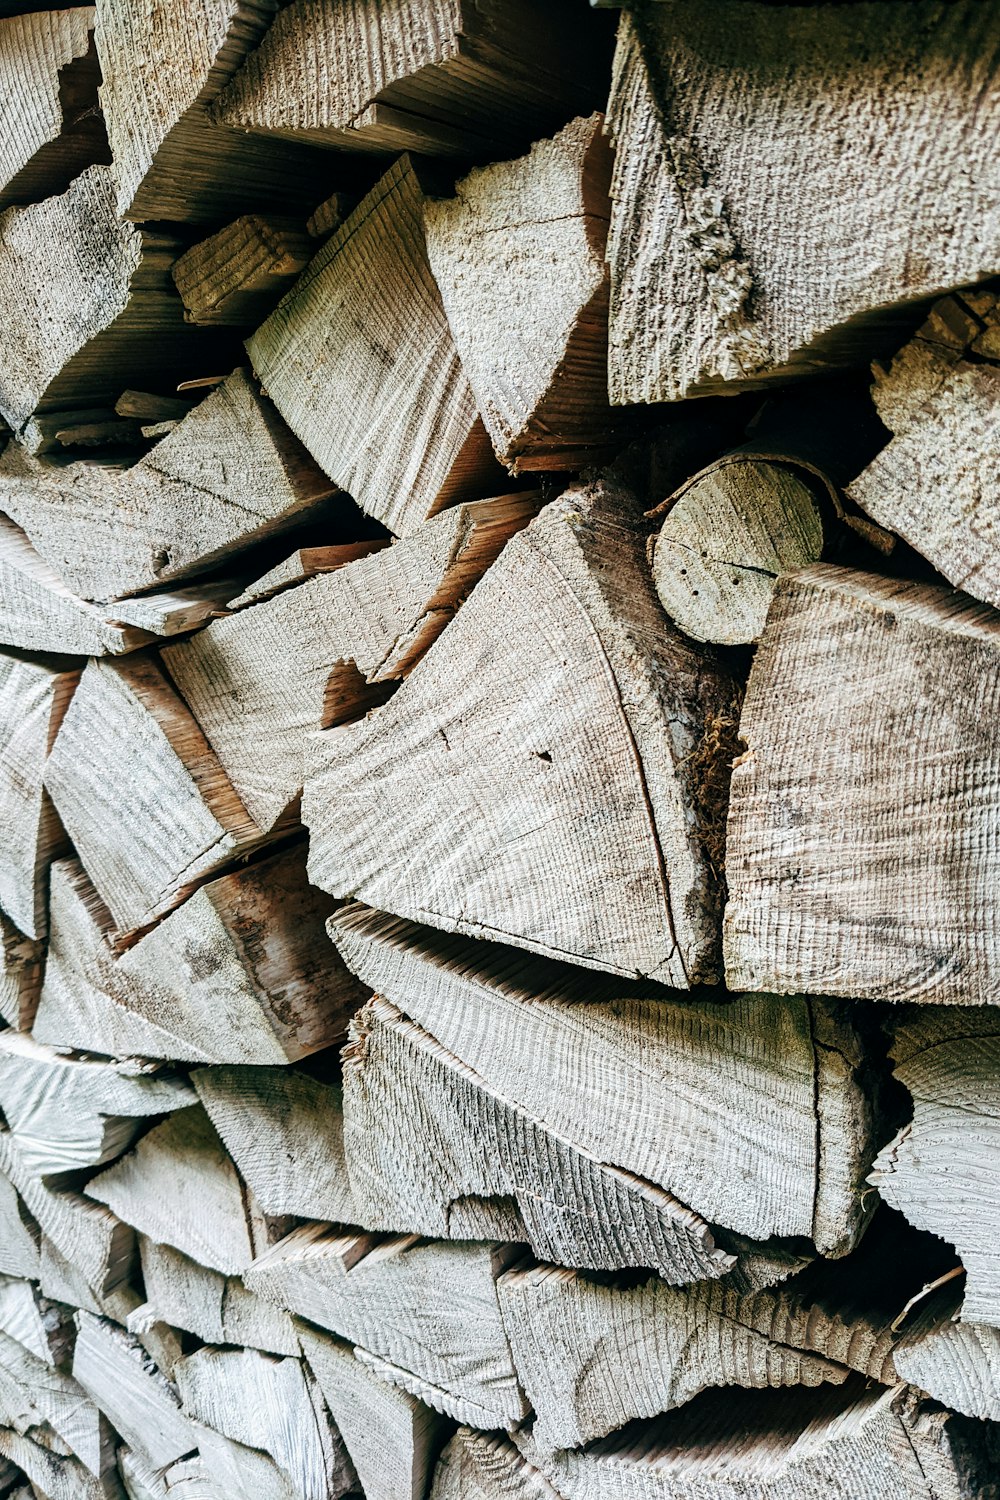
(499,750)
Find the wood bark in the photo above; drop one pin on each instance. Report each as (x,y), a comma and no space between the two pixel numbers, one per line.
(863,690)
(262,681)
(400,433)
(239,273)
(753,156)
(518,254)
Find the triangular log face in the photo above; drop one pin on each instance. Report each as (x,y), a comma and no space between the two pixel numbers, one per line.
(217,1309)
(556,786)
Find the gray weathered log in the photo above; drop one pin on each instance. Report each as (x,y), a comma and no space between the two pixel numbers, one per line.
(239,273)
(217,1309)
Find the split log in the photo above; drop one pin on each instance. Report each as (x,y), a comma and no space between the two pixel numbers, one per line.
(48,77)
(217,1309)
(761,1069)
(137,1399)
(261,681)
(21,963)
(61,1280)
(170,817)
(871,772)
(51,1407)
(20,1236)
(723,119)
(487,1466)
(257,981)
(127,324)
(418,1164)
(429,1307)
(67,1113)
(229,475)
(392,1437)
(519,257)
(329,215)
(934,484)
(448,78)
(43,1327)
(273,1405)
(958,1364)
(589,700)
(163,67)
(54,1475)
(232,1471)
(285,1133)
(149,406)
(238,274)
(399,431)
(300,565)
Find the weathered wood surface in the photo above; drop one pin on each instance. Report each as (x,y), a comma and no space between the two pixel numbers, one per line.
(20,1236)
(589,701)
(443,77)
(731,1079)
(229,475)
(89,304)
(260,682)
(958,1364)
(52,1408)
(256,981)
(238,273)
(169,818)
(870,773)
(43,1327)
(217,1309)
(400,432)
(54,1475)
(301,564)
(426,1306)
(140,1402)
(21,965)
(934,483)
(52,127)
(487,1466)
(754,157)
(518,254)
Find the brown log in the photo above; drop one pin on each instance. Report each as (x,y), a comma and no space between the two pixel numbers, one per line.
(238,274)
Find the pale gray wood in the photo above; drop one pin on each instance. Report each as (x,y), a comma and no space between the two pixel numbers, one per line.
(217,1309)
(63,1280)
(21,965)
(55,1477)
(870,773)
(44,1327)
(19,1234)
(587,699)
(236,1472)
(780,191)
(958,1363)
(487,1466)
(301,564)
(35,1396)
(138,1400)
(448,1403)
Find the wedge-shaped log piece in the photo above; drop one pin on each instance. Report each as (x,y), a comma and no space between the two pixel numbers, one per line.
(426,1139)
(261,681)
(179,1187)
(871,772)
(429,1307)
(41,1326)
(870,1444)
(217,1309)
(935,482)
(604,729)
(234,1471)
(54,1475)
(391,1436)
(519,257)
(34,695)
(957,1363)
(444,77)
(271,1404)
(257,981)
(360,361)
(51,1406)
(301,564)
(89,304)
(20,1235)
(487,1466)
(163,65)
(228,475)
(237,274)
(61,1280)
(48,78)
(761,1069)
(138,1400)
(21,964)
(722,119)
(169,817)
(65,1113)
(285,1133)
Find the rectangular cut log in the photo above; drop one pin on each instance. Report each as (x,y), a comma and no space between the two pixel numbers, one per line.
(433,1150)
(21,965)
(89,304)
(753,157)
(238,274)
(934,484)
(34,695)
(137,1398)
(444,77)
(399,432)
(429,1307)
(261,681)
(871,773)
(257,981)
(731,1078)
(228,476)
(48,79)
(518,254)
(217,1309)
(170,817)
(604,728)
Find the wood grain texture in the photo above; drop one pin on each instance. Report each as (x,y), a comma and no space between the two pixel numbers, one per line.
(20,1236)
(217,1309)
(958,1364)
(360,361)
(721,1082)
(870,773)
(487,1466)
(260,682)
(584,741)
(237,274)
(42,1327)
(138,1400)
(21,965)
(753,157)
(54,1475)
(52,1408)
(518,254)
